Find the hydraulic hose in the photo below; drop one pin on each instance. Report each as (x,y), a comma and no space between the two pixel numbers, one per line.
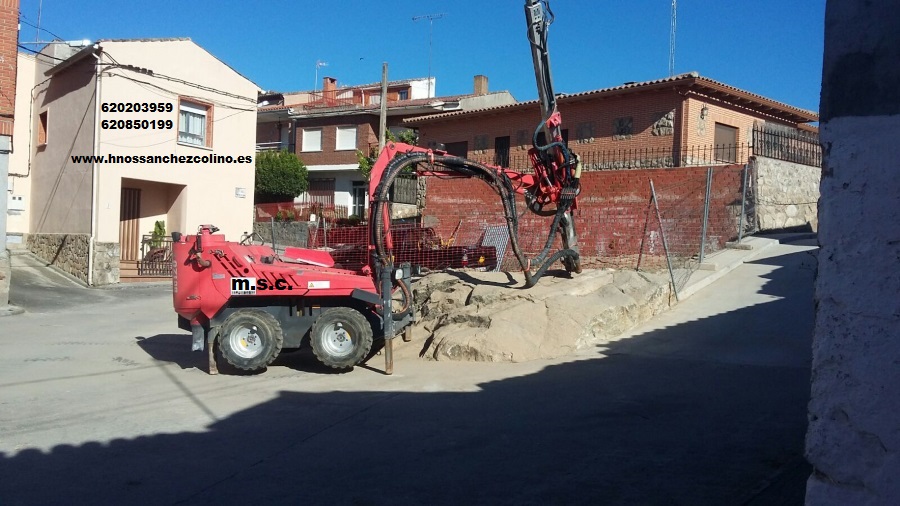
(500,182)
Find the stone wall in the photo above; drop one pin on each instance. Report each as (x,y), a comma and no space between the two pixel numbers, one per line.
(106,263)
(787,194)
(287,233)
(68,252)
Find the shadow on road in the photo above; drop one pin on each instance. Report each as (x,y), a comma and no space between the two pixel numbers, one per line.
(688,414)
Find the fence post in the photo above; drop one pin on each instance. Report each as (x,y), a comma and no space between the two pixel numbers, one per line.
(662,234)
(272,221)
(705,213)
(743,203)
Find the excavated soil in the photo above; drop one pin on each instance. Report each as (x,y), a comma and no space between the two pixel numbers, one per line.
(490,317)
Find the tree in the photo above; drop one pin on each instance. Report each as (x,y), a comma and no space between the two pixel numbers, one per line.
(280,177)
(367,161)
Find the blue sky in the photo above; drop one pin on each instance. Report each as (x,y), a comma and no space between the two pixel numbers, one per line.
(769,47)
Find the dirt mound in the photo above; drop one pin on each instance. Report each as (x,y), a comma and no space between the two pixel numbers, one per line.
(488,316)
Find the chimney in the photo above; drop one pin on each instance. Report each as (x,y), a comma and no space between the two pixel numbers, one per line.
(329,85)
(481,85)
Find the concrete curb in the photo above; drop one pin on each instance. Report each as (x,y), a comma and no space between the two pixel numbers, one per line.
(10,310)
(722,262)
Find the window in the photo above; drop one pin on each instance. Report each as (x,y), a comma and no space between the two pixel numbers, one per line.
(501,151)
(460,149)
(623,128)
(195,123)
(346,138)
(403,95)
(726,143)
(358,198)
(312,139)
(42,128)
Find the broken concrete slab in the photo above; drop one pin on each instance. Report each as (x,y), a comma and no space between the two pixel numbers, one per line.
(489,317)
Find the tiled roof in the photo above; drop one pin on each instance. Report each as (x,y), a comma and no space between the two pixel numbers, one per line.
(687,79)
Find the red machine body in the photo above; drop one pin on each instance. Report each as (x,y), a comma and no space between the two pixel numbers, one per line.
(201,291)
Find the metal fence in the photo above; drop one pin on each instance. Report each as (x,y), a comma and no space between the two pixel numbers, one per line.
(299,211)
(788,144)
(638,158)
(156,256)
(648,220)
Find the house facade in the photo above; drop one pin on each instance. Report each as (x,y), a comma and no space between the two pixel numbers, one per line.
(328,129)
(9,35)
(123,136)
(677,121)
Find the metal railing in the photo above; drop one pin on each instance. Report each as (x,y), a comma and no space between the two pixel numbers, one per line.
(299,211)
(156,256)
(635,158)
(790,145)
(275,146)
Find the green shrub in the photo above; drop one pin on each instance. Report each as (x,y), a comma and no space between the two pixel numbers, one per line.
(280,177)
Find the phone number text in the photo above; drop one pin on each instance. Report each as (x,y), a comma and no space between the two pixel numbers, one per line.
(137,107)
(137,124)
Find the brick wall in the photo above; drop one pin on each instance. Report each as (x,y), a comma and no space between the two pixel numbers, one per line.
(590,124)
(615,223)
(366,131)
(9,34)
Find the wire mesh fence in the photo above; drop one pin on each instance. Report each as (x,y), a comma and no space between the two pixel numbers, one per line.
(648,220)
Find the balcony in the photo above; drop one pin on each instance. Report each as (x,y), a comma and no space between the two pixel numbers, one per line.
(274,146)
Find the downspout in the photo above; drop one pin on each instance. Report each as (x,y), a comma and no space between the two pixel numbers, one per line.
(94,183)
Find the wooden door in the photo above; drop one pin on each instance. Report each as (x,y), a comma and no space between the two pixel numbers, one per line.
(129,217)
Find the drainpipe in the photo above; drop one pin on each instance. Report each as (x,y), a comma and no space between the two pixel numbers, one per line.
(96,149)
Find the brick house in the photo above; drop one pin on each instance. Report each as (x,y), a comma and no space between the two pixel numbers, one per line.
(326,128)
(682,120)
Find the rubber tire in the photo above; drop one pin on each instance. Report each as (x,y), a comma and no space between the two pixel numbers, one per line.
(358,328)
(267,328)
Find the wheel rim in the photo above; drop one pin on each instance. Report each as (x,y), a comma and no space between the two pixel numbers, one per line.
(245,341)
(337,340)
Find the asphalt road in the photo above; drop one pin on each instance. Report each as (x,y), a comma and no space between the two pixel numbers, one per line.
(102,402)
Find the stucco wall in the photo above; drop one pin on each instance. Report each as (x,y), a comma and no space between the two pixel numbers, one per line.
(209,194)
(61,190)
(19,184)
(853,440)
(787,193)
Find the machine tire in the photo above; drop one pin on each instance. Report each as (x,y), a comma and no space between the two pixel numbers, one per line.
(341,337)
(250,339)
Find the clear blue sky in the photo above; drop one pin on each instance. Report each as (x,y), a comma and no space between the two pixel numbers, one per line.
(769,47)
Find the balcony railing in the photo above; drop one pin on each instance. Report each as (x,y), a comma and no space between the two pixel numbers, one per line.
(274,146)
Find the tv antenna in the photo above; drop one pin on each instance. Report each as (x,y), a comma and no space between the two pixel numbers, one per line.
(430,18)
(319,64)
(672,42)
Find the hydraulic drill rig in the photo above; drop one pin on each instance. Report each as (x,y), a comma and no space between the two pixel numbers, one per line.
(255,302)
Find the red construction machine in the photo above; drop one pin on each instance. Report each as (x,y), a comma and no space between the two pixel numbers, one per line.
(255,302)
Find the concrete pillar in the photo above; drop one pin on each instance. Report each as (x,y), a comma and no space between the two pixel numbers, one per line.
(853,440)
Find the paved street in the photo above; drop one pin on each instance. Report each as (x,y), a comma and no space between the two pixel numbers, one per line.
(102,402)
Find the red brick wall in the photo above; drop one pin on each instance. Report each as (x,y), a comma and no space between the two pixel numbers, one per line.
(700,132)
(599,113)
(614,221)
(365,125)
(9,35)
(366,136)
